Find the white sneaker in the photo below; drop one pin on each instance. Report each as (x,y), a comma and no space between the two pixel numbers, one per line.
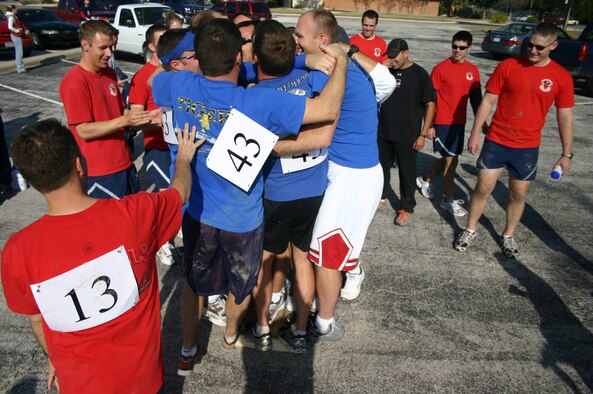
(351,289)
(276,307)
(165,254)
(425,188)
(215,311)
(454,207)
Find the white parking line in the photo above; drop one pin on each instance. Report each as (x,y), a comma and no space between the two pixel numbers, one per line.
(31,94)
(585,103)
(71,62)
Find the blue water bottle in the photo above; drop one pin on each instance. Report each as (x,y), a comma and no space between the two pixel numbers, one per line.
(556,172)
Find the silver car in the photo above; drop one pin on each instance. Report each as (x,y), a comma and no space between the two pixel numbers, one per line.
(507,40)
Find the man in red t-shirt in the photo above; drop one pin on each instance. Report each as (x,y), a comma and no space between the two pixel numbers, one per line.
(85,273)
(367,41)
(525,88)
(96,115)
(456,80)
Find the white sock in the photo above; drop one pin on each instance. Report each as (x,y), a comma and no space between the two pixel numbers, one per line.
(261,330)
(323,325)
(276,297)
(230,340)
(213,298)
(298,333)
(189,352)
(470,230)
(355,271)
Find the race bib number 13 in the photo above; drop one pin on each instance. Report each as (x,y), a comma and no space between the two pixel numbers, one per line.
(89,295)
(241,150)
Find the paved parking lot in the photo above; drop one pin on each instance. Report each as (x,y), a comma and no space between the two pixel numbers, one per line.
(429,319)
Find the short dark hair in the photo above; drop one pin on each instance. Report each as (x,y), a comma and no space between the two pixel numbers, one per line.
(172,17)
(44,152)
(463,35)
(168,42)
(217,43)
(151,32)
(274,47)
(325,22)
(89,29)
(371,14)
(546,29)
(202,17)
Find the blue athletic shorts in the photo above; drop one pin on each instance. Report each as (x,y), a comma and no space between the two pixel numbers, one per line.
(448,139)
(216,261)
(520,162)
(157,164)
(115,185)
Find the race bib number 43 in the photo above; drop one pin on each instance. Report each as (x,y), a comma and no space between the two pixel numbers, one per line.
(89,295)
(241,150)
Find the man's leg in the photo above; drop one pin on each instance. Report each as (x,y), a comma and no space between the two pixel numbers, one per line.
(191,312)
(386,157)
(517,193)
(304,287)
(262,293)
(328,283)
(435,171)
(449,167)
(479,198)
(234,315)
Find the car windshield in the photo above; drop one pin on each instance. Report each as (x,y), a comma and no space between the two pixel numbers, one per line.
(29,16)
(151,15)
(515,28)
(260,8)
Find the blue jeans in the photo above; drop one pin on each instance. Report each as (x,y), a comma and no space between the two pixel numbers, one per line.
(18,53)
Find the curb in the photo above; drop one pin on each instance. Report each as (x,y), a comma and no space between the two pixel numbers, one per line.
(39,60)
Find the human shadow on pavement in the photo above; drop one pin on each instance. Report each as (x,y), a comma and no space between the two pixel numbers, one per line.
(15,125)
(533,221)
(568,341)
(171,284)
(25,385)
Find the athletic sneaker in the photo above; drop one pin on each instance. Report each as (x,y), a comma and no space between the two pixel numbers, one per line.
(290,306)
(424,186)
(402,218)
(336,332)
(186,364)
(351,288)
(165,254)
(454,207)
(216,311)
(276,307)
(464,239)
(509,247)
(296,343)
(262,342)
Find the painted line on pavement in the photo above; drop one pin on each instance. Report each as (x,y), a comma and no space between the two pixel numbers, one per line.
(31,94)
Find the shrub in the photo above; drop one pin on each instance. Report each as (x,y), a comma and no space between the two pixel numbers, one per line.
(498,18)
(532,19)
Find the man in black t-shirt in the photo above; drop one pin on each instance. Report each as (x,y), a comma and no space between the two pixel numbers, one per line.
(401,130)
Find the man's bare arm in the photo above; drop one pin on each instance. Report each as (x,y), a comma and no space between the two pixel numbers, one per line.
(488,101)
(37,328)
(309,138)
(185,153)
(91,130)
(566,131)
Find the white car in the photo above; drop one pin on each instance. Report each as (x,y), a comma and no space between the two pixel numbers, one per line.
(572,22)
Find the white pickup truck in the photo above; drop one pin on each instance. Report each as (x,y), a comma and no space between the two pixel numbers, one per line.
(132,21)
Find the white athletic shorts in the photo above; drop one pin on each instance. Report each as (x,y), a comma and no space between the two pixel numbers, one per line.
(349,204)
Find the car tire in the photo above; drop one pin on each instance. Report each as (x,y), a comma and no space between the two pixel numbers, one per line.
(36,41)
(497,56)
(589,87)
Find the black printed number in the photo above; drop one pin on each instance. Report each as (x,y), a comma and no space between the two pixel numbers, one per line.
(108,291)
(305,155)
(238,160)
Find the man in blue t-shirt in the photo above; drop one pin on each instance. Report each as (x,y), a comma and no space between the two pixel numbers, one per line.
(228,221)
(346,211)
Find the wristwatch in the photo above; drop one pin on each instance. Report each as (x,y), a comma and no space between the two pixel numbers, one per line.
(353,49)
(567,155)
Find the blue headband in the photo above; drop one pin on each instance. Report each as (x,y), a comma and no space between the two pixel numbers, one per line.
(186,44)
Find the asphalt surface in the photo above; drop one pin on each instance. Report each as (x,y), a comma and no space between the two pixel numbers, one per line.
(429,319)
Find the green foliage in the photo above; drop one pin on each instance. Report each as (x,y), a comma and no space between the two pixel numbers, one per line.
(498,18)
(532,19)
(274,3)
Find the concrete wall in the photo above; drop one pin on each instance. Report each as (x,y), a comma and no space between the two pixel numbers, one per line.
(411,7)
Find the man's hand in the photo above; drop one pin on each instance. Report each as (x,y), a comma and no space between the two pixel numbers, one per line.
(473,144)
(321,62)
(565,163)
(136,117)
(334,50)
(155,117)
(187,143)
(431,134)
(419,143)
(51,377)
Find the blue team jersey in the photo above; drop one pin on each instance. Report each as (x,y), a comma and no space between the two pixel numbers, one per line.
(202,102)
(310,182)
(355,141)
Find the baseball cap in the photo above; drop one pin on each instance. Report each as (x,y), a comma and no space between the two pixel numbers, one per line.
(186,44)
(343,36)
(395,47)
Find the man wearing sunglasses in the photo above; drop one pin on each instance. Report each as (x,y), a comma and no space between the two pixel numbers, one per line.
(524,88)
(456,80)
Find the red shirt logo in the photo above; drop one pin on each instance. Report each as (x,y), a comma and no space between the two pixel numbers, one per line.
(112,89)
(469,76)
(546,85)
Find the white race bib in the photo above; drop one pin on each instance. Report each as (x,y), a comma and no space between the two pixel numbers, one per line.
(241,150)
(294,163)
(89,295)
(168,126)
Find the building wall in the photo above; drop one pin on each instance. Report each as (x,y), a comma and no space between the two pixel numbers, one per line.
(410,7)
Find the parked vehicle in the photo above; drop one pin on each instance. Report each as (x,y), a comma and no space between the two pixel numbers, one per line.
(256,8)
(507,41)
(188,8)
(577,57)
(71,10)
(132,21)
(572,21)
(6,44)
(553,17)
(47,29)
